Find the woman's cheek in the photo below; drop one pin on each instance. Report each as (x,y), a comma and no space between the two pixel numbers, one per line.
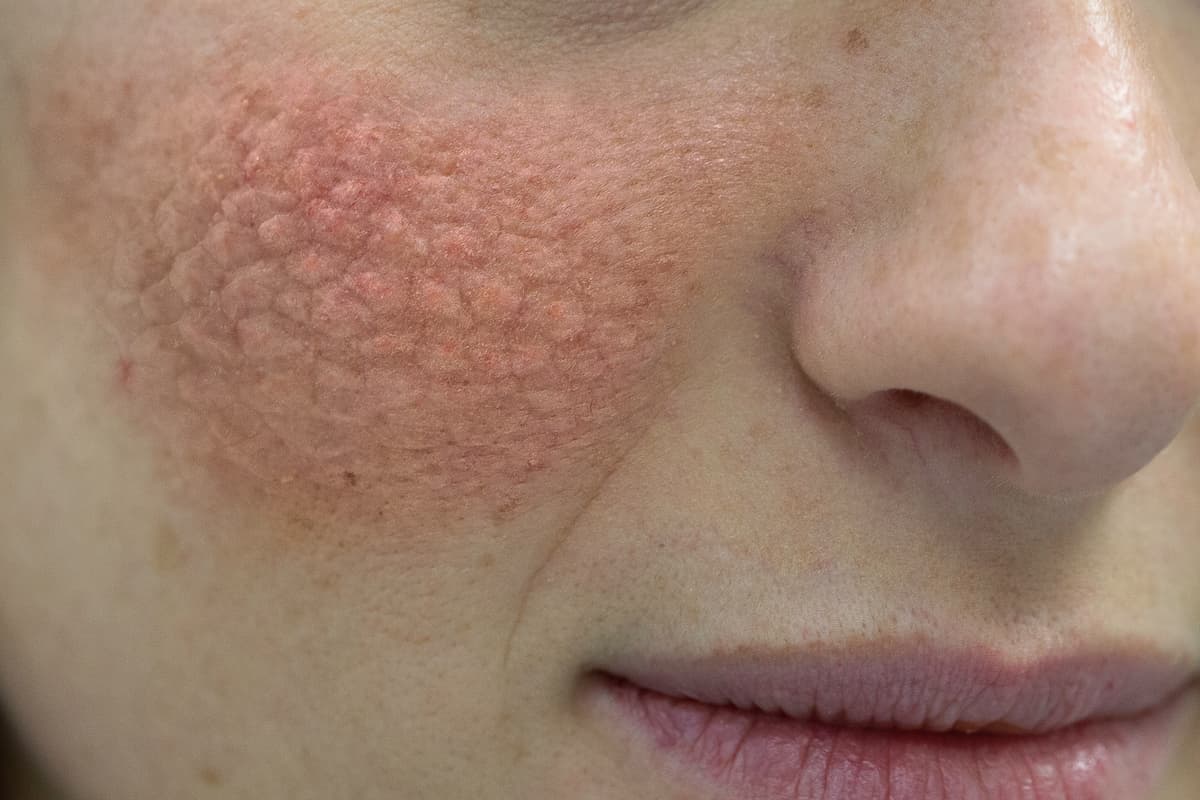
(336,288)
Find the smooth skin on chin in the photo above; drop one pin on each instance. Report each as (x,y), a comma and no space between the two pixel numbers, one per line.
(377,374)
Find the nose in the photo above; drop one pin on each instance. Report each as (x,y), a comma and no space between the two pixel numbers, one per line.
(1024,299)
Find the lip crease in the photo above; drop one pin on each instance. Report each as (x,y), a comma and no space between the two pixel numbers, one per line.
(907,721)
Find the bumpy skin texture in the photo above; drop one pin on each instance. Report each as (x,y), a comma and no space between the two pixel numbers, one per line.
(335,292)
(777,205)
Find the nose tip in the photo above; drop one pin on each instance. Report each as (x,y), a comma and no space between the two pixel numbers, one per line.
(1031,270)
(1055,423)
(1059,370)
(1101,413)
(1058,378)
(1089,369)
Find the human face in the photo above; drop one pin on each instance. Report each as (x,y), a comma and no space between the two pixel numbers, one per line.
(388,384)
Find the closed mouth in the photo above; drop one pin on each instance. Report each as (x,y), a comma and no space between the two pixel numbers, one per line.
(908,722)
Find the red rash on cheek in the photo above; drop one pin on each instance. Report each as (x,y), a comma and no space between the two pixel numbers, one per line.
(321,291)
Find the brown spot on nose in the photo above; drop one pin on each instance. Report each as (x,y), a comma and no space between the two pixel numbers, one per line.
(209,776)
(855,42)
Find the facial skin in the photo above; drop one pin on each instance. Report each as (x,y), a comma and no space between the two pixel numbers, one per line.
(373,370)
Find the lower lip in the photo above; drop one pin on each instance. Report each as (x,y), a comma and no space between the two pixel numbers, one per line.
(755,756)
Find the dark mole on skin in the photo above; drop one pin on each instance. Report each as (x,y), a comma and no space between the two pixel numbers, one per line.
(209,776)
(855,42)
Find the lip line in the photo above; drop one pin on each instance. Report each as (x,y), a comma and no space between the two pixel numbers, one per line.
(912,684)
(617,681)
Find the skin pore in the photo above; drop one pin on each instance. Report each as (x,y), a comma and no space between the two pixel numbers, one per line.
(375,369)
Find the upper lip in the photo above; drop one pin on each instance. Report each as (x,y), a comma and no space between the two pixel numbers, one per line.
(915,685)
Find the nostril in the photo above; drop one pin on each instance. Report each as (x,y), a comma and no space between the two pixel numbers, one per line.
(935,424)
(909,400)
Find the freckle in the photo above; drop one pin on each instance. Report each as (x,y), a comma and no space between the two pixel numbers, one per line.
(816,97)
(487,560)
(329,581)
(1092,49)
(210,776)
(350,478)
(856,41)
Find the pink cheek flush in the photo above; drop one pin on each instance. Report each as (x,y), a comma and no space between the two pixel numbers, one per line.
(324,288)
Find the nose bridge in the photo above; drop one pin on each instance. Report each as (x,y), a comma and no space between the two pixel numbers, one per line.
(1070,212)
(1078,215)
(1041,273)
(1061,103)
